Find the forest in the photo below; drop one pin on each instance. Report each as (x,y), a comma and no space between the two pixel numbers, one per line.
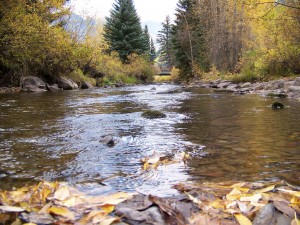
(239,40)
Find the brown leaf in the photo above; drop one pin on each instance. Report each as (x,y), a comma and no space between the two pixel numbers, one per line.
(62,193)
(285,208)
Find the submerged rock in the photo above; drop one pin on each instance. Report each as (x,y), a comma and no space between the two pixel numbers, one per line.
(277,105)
(108,140)
(278,95)
(153,114)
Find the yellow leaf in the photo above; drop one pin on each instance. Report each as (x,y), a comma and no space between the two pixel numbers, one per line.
(217,204)
(234,194)
(93,214)
(146,166)
(267,189)
(73,201)
(60,211)
(108,208)
(295,200)
(294,193)
(29,224)
(242,219)
(251,198)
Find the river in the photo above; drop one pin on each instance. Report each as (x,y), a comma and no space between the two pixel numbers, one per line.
(55,136)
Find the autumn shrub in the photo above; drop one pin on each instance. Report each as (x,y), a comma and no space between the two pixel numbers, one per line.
(78,76)
(140,68)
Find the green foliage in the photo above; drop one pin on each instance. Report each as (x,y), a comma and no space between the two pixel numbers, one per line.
(164,38)
(123,31)
(188,41)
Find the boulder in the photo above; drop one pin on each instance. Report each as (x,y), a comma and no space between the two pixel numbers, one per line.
(86,85)
(297,82)
(232,87)
(223,84)
(288,84)
(294,89)
(277,105)
(53,87)
(246,85)
(66,84)
(108,140)
(32,84)
(32,88)
(153,114)
(265,216)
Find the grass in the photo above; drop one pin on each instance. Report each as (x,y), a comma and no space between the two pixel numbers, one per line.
(162,79)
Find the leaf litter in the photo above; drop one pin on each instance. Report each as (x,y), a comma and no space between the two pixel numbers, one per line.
(204,204)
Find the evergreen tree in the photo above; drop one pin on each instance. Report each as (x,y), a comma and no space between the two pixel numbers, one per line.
(152,50)
(123,31)
(165,42)
(188,40)
(147,38)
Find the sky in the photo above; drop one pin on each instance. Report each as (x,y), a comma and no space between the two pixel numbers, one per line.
(148,10)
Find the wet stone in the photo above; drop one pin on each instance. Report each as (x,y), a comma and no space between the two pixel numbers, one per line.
(265,216)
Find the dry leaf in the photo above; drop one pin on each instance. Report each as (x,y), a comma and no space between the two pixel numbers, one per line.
(113,199)
(243,220)
(108,208)
(297,221)
(285,208)
(234,195)
(62,193)
(61,211)
(251,198)
(7,208)
(109,221)
(267,189)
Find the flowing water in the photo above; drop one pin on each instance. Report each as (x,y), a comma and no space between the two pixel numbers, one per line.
(55,136)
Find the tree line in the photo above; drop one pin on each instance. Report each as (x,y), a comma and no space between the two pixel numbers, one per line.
(38,39)
(251,39)
(256,39)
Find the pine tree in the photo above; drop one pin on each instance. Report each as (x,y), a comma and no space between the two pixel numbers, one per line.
(152,50)
(188,40)
(164,38)
(147,38)
(123,31)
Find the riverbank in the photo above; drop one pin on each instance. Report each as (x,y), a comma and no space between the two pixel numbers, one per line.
(205,204)
(277,88)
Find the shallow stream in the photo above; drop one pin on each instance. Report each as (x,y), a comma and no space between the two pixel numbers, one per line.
(55,136)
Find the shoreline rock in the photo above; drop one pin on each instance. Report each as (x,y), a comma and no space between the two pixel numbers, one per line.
(277,88)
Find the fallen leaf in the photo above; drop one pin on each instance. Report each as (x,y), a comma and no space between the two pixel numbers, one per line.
(146,166)
(234,195)
(243,220)
(29,224)
(285,208)
(73,201)
(294,193)
(267,189)
(7,208)
(62,193)
(295,200)
(193,199)
(108,208)
(61,211)
(251,198)
(109,221)
(113,199)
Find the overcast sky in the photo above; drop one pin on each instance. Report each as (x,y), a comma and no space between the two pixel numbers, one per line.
(148,10)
